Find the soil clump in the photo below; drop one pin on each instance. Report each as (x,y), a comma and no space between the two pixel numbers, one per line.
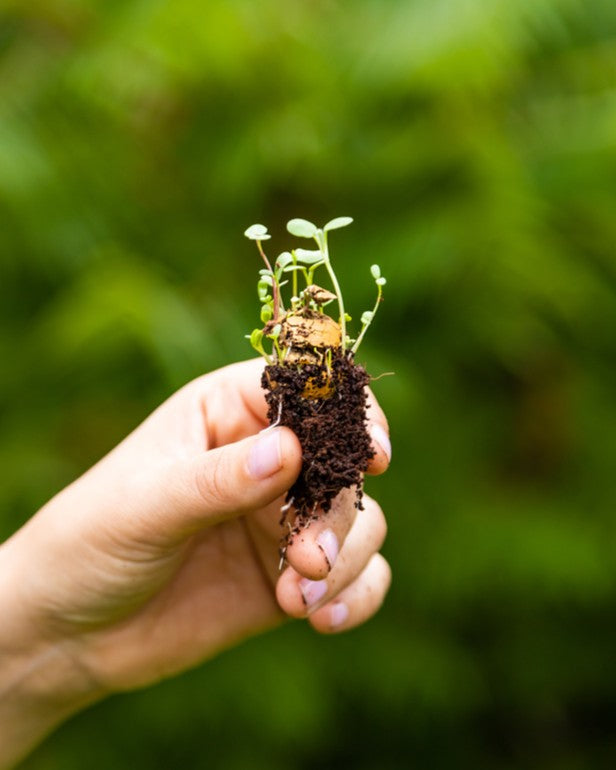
(331,428)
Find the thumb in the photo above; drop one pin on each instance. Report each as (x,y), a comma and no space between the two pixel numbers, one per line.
(224,482)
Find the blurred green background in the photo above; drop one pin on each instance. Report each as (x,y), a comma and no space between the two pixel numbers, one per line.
(474,143)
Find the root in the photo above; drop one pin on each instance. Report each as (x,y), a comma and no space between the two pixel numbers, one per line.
(277,423)
(285,510)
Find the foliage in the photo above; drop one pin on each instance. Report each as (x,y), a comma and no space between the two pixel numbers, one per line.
(474,144)
(302,261)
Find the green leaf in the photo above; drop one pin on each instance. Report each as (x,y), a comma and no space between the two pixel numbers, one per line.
(366,317)
(275,333)
(302,228)
(256,338)
(338,222)
(375,270)
(381,281)
(257,233)
(308,256)
(266,279)
(263,291)
(291,268)
(266,313)
(284,259)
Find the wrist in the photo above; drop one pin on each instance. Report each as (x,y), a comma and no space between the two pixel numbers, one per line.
(42,682)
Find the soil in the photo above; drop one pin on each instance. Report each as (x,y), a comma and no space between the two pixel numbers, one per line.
(331,427)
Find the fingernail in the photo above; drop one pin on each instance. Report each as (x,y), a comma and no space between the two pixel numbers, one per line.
(339,614)
(265,458)
(312,590)
(382,439)
(328,543)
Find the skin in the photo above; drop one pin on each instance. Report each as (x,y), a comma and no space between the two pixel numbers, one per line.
(166,552)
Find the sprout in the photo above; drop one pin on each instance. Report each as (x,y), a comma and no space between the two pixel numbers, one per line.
(302,228)
(284,259)
(308,256)
(368,315)
(256,340)
(297,263)
(257,233)
(336,223)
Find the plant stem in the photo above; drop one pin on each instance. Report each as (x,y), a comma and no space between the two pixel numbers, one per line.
(321,239)
(276,299)
(295,272)
(363,331)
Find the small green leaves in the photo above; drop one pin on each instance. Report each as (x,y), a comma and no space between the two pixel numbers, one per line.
(256,338)
(308,256)
(300,265)
(257,233)
(368,316)
(263,288)
(302,228)
(284,259)
(375,270)
(336,223)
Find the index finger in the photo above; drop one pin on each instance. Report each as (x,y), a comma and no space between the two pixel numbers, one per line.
(379,433)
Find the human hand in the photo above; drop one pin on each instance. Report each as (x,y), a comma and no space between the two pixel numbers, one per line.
(166,551)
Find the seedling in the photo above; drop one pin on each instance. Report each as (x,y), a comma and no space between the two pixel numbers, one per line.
(304,263)
(311,382)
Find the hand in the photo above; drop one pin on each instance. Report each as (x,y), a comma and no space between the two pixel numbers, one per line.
(166,551)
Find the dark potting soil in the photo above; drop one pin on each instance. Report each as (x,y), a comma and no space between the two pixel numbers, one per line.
(336,446)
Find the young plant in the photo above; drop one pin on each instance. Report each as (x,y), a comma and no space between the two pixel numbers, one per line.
(303,263)
(310,359)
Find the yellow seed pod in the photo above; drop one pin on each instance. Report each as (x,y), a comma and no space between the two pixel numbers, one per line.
(304,331)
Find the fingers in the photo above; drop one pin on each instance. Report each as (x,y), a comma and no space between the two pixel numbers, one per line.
(356,603)
(379,432)
(355,574)
(242,380)
(186,495)
(314,550)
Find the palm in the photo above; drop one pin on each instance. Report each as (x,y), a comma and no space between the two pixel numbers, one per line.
(185,599)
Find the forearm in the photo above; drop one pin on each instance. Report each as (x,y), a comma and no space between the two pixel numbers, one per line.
(41,681)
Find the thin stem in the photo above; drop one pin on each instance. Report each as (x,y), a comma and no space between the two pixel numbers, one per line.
(321,239)
(363,331)
(295,272)
(276,299)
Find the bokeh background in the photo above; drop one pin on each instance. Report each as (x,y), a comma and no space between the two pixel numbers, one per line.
(474,143)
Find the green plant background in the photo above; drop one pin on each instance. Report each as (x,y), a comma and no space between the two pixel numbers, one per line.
(474,143)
